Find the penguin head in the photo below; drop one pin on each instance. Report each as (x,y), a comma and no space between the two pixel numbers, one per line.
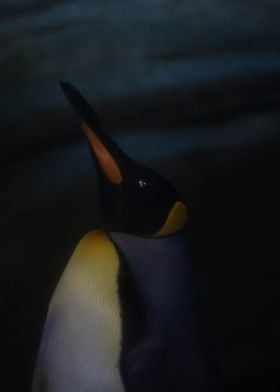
(133,199)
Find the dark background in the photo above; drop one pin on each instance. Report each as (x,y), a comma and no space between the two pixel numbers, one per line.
(190,88)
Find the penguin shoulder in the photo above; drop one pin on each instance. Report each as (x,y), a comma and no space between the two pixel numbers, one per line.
(92,269)
(94,245)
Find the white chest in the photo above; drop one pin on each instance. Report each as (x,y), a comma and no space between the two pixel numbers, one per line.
(80,346)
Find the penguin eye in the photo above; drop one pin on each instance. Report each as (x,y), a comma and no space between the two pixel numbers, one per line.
(143,189)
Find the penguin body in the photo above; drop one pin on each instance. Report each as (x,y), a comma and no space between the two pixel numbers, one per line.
(82,335)
(164,342)
(124,316)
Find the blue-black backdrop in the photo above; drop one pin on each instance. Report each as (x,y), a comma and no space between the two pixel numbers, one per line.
(190,88)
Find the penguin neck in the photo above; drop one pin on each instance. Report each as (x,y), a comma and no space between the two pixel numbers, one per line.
(162,273)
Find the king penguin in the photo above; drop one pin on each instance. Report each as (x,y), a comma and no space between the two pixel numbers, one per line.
(124,316)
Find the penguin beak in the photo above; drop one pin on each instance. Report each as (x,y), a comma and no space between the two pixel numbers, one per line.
(106,152)
(105,159)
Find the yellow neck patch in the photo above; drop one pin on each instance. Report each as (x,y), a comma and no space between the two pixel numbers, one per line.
(175,220)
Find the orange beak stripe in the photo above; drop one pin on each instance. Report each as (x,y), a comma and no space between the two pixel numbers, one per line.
(106,161)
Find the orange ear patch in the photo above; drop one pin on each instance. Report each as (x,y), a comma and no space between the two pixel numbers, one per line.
(105,159)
